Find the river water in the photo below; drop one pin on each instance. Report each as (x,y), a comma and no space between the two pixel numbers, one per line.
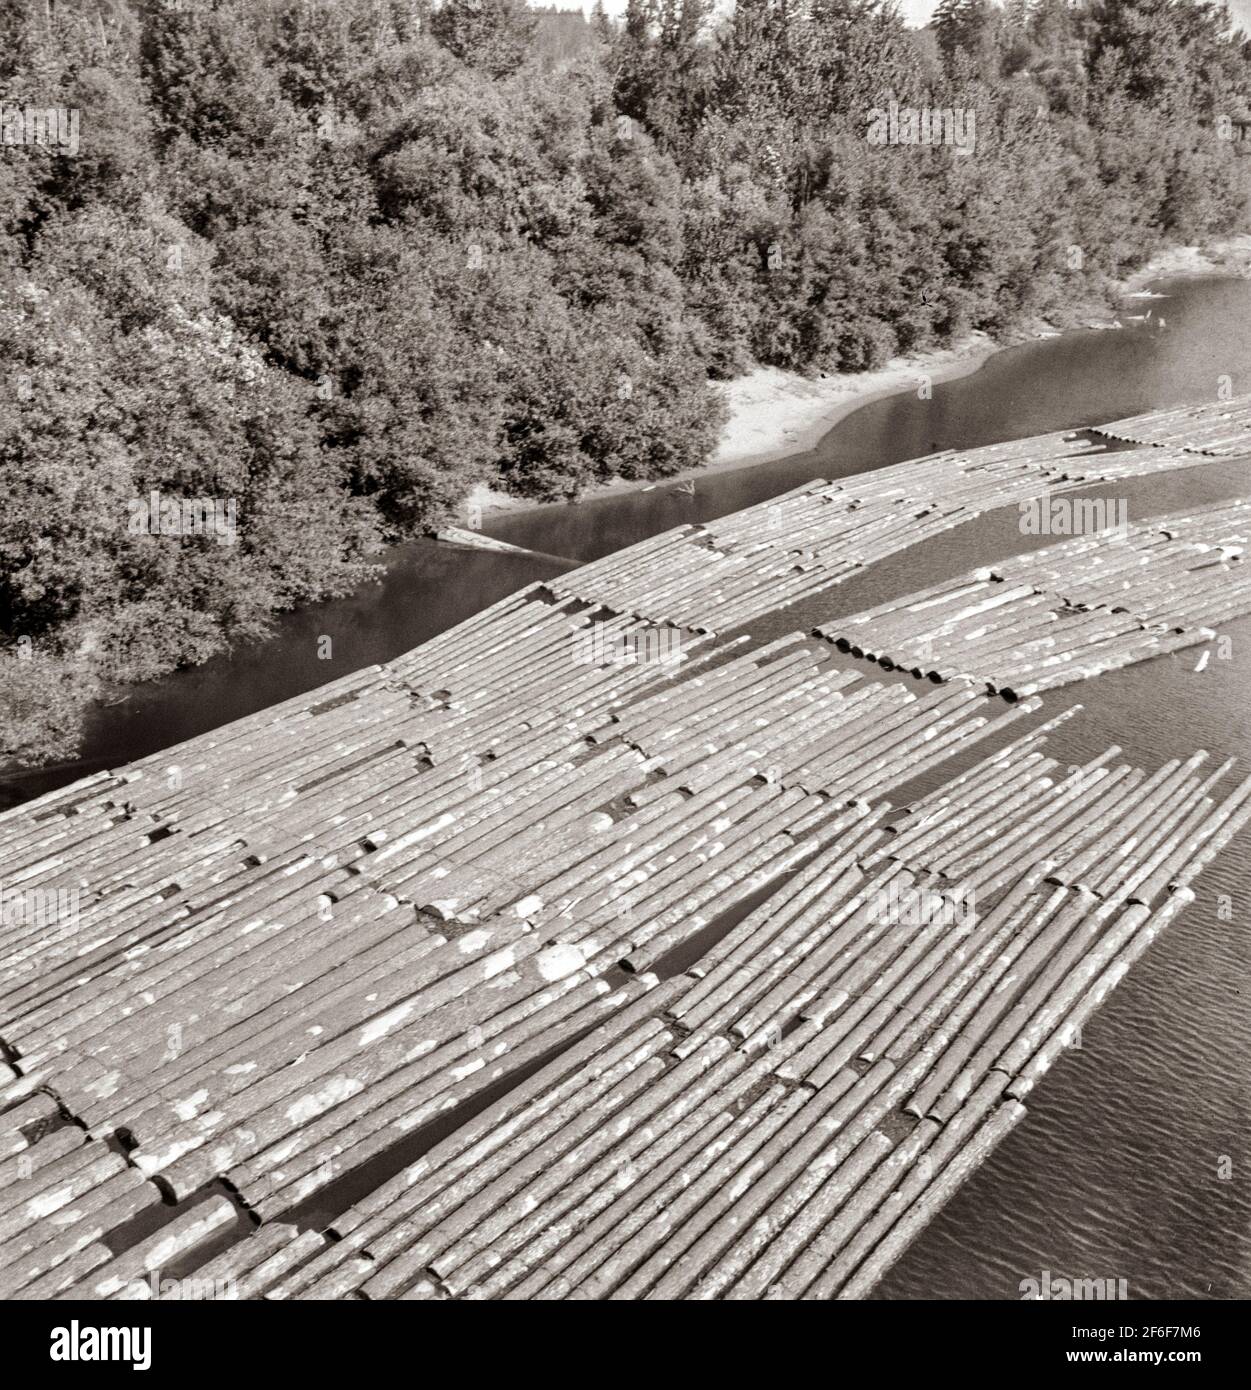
(1135,1159)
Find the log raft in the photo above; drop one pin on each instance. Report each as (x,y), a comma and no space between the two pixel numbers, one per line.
(749,1025)
(1093,604)
(1219,428)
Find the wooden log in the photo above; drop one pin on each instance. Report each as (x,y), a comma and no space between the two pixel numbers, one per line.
(921,1210)
(30,1258)
(165,1246)
(1091,994)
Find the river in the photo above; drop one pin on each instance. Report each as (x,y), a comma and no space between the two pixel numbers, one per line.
(1119,1169)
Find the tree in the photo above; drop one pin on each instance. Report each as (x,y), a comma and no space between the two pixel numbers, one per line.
(493,35)
(968,28)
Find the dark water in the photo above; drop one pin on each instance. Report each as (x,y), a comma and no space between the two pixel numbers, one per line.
(1116,1171)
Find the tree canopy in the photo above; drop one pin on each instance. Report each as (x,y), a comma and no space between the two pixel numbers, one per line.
(340,261)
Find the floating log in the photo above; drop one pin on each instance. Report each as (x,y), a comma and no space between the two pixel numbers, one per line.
(251,985)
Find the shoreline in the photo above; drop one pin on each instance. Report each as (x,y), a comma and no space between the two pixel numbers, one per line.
(1229,255)
(775,414)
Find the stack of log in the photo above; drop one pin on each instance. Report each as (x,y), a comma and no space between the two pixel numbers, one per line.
(783,1120)
(63,1199)
(298,938)
(716,576)
(1220,428)
(1095,603)
(259,961)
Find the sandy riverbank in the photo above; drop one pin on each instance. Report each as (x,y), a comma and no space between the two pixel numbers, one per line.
(775,413)
(1229,256)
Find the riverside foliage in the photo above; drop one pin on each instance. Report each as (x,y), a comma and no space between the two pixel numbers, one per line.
(337,262)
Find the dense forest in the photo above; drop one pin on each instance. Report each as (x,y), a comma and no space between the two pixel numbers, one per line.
(341,261)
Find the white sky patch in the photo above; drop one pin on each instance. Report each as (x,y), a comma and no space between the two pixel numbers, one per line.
(916,12)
